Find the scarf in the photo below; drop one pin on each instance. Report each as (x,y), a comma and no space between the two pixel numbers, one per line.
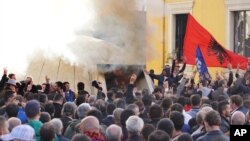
(94,136)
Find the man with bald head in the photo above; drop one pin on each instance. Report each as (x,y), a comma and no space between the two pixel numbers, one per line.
(13,122)
(113,133)
(238,118)
(90,127)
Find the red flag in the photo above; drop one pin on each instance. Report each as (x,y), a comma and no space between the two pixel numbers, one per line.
(214,54)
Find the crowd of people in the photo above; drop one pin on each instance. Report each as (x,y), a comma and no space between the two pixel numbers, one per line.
(177,110)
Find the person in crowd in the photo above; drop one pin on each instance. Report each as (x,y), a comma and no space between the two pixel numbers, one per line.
(166,104)
(68,112)
(4,126)
(166,125)
(134,125)
(159,135)
(8,98)
(27,86)
(11,85)
(134,108)
(50,108)
(110,118)
(90,127)
(44,117)
(117,116)
(120,103)
(12,110)
(47,132)
(58,127)
(200,129)
(80,137)
(212,123)
(73,126)
(81,89)
(146,130)
(203,87)
(236,104)
(58,104)
(113,133)
(185,137)
(69,94)
(178,120)
(224,110)
(124,116)
(155,114)
(32,111)
(129,92)
(13,122)
(20,133)
(5,79)
(178,107)
(110,96)
(195,103)
(238,118)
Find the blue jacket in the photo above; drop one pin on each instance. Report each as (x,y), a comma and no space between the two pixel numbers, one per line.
(70,96)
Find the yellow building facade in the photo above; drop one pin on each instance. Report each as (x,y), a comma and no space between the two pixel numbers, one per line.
(217,16)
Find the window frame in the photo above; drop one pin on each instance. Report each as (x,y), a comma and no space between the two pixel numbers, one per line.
(232,6)
(172,10)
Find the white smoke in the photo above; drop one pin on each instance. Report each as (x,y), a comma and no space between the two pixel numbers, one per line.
(45,25)
(80,32)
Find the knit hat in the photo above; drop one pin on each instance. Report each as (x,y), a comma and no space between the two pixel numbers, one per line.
(32,108)
(20,132)
(11,82)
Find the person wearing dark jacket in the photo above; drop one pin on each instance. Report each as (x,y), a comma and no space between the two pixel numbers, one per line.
(27,86)
(212,122)
(58,104)
(129,92)
(5,78)
(176,72)
(236,104)
(224,110)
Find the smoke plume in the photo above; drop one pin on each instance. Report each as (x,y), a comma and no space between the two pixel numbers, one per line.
(79,33)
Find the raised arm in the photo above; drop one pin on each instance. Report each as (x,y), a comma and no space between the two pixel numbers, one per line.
(129,91)
(4,79)
(230,77)
(47,85)
(184,59)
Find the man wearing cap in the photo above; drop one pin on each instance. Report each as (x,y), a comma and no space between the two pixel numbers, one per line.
(20,132)
(11,85)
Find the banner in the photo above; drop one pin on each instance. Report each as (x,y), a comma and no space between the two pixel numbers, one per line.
(213,53)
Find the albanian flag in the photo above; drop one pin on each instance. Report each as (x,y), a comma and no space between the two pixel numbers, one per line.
(213,53)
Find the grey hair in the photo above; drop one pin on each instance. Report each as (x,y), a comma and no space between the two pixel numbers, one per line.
(134,108)
(82,110)
(117,114)
(202,113)
(68,108)
(134,124)
(57,124)
(114,132)
(238,118)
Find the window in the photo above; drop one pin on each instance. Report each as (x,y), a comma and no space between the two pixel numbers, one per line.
(177,11)
(242,32)
(180,29)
